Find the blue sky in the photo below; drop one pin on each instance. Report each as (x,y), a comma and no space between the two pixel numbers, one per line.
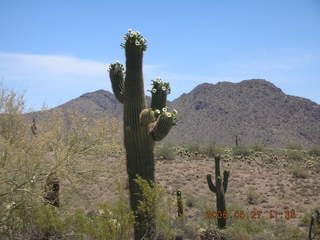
(55,51)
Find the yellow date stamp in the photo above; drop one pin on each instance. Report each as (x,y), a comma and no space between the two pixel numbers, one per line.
(253,214)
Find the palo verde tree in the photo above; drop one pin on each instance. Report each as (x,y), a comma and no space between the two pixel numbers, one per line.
(142,126)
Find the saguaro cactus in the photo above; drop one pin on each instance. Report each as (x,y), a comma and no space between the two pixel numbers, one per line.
(142,126)
(179,203)
(219,189)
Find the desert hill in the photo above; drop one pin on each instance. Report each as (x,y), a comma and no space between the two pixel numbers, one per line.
(254,110)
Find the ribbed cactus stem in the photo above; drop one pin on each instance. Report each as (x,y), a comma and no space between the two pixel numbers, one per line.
(219,189)
(161,127)
(158,100)
(179,204)
(117,81)
(142,126)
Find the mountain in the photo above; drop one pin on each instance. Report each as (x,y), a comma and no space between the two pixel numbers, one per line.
(254,110)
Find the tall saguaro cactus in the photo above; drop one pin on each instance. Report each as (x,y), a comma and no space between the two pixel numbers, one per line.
(142,126)
(219,189)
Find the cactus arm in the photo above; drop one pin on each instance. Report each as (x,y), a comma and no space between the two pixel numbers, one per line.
(117,80)
(217,165)
(159,91)
(212,187)
(161,127)
(225,180)
(146,117)
(158,100)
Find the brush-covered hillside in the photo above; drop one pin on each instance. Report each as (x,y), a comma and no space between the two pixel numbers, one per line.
(255,111)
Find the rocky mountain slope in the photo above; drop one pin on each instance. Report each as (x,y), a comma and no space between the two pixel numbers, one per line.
(254,110)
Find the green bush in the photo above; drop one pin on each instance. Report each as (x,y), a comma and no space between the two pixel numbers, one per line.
(211,150)
(294,155)
(166,151)
(315,150)
(193,148)
(241,151)
(252,196)
(258,147)
(298,171)
(157,206)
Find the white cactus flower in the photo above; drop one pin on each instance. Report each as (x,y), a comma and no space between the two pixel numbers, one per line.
(168,114)
(164,109)
(137,43)
(164,88)
(157,111)
(109,212)
(33,179)
(10,205)
(100,211)
(154,90)
(113,221)
(158,79)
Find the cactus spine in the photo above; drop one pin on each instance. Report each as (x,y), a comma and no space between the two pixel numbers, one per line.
(142,126)
(219,189)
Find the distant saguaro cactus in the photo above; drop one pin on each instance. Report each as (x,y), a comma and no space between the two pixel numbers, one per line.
(219,189)
(142,126)
(179,203)
(314,227)
(34,127)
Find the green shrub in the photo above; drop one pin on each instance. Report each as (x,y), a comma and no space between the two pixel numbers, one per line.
(294,155)
(166,151)
(211,150)
(315,150)
(156,205)
(298,171)
(258,147)
(252,196)
(193,148)
(241,151)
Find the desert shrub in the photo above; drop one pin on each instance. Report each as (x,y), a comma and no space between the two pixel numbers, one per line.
(258,147)
(241,151)
(166,151)
(294,146)
(315,150)
(211,150)
(158,207)
(252,196)
(294,155)
(108,222)
(191,200)
(193,148)
(299,171)
(27,159)
(242,226)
